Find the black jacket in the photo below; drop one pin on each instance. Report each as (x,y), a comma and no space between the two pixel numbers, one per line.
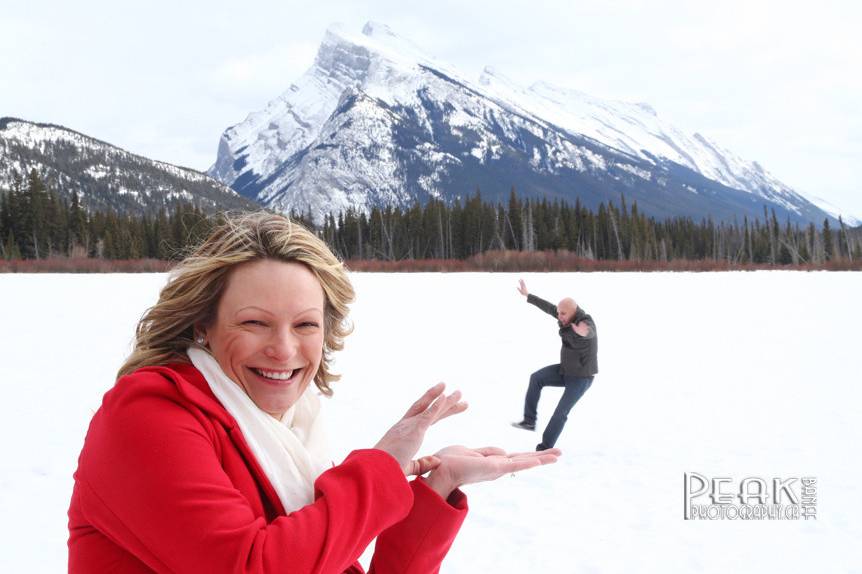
(578,355)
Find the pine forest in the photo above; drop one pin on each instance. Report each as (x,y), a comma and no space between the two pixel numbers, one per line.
(36,223)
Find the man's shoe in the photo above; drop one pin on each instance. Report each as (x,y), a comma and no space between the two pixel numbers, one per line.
(524,425)
(541,446)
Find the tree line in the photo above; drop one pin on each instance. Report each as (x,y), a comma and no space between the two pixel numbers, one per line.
(612,232)
(36,223)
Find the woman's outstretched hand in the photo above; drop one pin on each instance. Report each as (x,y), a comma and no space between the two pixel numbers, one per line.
(459,465)
(403,440)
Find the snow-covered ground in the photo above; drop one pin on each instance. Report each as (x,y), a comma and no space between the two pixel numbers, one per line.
(725,374)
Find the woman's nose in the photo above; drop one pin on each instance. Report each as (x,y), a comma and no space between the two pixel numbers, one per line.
(282,345)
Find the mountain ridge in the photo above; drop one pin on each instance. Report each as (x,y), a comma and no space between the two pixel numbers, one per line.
(104,175)
(278,155)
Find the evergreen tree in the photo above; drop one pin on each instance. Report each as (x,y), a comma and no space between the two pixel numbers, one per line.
(828,251)
(78,238)
(10,248)
(34,219)
(514,221)
(844,241)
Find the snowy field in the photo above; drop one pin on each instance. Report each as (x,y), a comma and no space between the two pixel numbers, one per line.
(725,374)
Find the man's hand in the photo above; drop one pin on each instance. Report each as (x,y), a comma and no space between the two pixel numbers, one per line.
(522,288)
(582,328)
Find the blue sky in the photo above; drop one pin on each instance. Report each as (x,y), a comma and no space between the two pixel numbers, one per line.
(775,82)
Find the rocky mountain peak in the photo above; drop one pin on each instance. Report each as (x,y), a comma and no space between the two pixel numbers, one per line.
(376,120)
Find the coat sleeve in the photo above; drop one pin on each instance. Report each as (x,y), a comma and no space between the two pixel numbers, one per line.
(152,483)
(589,321)
(545,306)
(418,544)
(572,339)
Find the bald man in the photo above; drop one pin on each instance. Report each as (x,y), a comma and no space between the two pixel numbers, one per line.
(577,367)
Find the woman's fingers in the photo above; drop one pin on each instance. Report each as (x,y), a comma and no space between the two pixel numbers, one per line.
(491,451)
(529,460)
(521,464)
(468,466)
(519,461)
(425,400)
(456,408)
(531,453)
(422,465)
(433,412)
(454,405)
(434,405)
(405,438)
(442,407)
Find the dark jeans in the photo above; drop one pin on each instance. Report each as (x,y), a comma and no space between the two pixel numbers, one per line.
(550,377)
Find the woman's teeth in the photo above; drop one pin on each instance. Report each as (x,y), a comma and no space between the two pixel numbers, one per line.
(276,375)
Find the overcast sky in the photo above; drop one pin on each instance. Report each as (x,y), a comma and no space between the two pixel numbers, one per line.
(774,81)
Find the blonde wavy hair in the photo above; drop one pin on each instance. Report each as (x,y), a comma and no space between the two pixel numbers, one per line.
(196,284)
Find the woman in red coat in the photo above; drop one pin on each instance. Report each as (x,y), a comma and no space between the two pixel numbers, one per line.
(208,455)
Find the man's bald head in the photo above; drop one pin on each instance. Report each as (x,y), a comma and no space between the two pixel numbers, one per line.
(566,310)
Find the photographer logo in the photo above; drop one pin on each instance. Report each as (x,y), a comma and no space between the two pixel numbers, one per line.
(752,498)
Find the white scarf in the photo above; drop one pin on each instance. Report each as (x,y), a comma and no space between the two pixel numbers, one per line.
(292,452)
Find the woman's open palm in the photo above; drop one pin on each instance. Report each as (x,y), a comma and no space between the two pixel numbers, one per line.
(460,465)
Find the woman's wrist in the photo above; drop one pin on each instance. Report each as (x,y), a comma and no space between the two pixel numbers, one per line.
(441,484)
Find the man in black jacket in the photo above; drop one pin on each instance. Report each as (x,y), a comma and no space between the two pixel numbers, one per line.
(575,371)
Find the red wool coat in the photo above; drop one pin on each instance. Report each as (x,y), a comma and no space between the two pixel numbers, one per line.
(167,483)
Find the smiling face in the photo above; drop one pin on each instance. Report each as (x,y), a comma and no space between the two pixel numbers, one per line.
(268,332)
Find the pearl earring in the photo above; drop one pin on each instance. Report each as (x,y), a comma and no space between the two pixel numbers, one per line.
(201,340)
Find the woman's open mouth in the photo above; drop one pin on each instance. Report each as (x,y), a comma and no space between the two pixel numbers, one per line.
(277,377)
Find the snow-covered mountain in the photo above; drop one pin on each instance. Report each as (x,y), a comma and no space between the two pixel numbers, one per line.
(636,128)
(374,121)
(104,176)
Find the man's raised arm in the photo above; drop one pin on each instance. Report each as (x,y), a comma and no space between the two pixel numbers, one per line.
(545,306)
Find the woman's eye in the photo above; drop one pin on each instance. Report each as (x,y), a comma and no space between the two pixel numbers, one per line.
(308,324)
(252,322)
